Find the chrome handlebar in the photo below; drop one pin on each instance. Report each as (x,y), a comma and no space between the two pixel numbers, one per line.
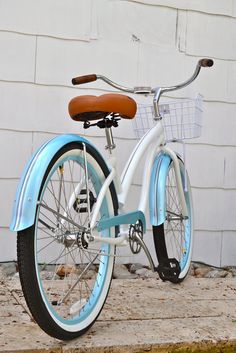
(157,91)
(115,85)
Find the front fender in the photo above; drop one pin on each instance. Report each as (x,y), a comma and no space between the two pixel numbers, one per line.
(157,202)
(29,187)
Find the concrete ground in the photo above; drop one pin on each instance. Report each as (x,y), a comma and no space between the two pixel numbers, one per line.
(141,315)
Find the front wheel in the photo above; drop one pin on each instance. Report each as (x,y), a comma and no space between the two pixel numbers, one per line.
(65,278)
(173,239)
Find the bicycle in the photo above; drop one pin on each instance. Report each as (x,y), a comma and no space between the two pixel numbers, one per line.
(70,211)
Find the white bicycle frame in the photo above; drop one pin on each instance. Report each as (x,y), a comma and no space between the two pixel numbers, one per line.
(151,144)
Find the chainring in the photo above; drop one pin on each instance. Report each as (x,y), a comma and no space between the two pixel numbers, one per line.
(135,229)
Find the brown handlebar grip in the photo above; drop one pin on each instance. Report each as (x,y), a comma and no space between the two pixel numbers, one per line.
(206,62)
(83,79)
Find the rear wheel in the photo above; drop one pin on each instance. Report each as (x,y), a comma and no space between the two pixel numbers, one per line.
(66,278)
(174,238)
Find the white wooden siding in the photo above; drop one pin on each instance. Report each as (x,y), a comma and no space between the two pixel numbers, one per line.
(44,44)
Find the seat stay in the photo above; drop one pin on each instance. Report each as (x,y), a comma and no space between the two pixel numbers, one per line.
(101,196)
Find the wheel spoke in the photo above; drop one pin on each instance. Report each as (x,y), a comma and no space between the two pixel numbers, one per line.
(61,216)
(78,280)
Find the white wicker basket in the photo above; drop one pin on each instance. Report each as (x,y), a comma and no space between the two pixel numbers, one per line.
(181,119)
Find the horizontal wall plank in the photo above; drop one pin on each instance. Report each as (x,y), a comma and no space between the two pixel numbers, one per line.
(55,18)
(219,124)
(137,64)
(27,107)
(207,247)
(228,248)
(59,60)
(17,59)
(219,7)
(8,189)
(8,245)
(160,66)
(17,151)
(148,24)
(214,209)
(230,167)
(217,43)
(206,166)
(210,166)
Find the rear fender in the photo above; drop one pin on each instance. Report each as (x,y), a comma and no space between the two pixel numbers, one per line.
(25,203)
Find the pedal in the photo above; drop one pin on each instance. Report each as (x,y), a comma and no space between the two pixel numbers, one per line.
(169,270)
(81,203)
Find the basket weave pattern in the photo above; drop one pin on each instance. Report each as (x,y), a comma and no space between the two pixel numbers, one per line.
(181,119)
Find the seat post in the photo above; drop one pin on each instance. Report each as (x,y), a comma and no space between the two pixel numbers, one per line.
(110,141)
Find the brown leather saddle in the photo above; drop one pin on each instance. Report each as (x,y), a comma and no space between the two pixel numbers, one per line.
(88,107)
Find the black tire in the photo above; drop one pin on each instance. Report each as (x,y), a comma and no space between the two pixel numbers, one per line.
(55,312)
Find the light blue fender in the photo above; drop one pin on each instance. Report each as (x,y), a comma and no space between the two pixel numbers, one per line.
(29,187)
(157,202)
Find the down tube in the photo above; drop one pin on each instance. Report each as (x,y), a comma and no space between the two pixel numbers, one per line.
(148,144)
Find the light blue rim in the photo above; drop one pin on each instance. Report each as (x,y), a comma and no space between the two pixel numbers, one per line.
(101,278)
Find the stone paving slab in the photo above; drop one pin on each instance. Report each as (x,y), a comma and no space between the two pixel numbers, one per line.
(141,315)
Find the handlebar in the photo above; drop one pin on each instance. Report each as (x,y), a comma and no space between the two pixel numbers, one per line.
(93,77)
(201,63)
(84,79)
(157,91)
(206,62)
